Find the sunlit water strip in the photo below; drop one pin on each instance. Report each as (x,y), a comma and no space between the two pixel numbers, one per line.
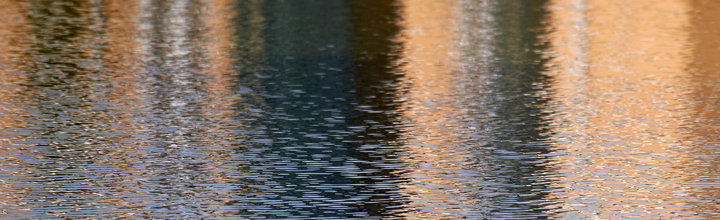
(623,123)
(475,109)
(705,74)
(430,43)
(14,33)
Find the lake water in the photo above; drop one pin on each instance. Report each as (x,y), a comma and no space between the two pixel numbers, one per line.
(368,109)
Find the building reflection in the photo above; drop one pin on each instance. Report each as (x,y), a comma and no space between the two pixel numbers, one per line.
(358,109)
(622,94)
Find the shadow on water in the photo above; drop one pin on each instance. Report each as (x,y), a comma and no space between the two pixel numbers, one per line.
(376,54)
(323,135)
(521,127)
(298,161)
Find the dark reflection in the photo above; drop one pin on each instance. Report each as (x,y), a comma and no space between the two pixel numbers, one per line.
(505,90)
(323,135)
(298,162)
(376,53)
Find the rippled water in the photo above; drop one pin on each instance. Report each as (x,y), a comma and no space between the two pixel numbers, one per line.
(392,109)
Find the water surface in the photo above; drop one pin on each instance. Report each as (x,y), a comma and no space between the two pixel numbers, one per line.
(380,109)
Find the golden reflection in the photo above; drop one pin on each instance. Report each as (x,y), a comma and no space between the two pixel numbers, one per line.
(121,53)
(430,51)
(620,83)
(219,46)
(233,28)
(122,62)
(218,19)
(14,37)
(705,70)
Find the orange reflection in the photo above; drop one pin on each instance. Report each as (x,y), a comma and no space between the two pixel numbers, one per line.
(620,81)
(122,60)
(705,70)
(430,42)
(220,46)
(218,19)
(121,55)
(14,37)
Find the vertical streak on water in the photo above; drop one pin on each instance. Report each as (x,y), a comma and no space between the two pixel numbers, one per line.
(14,34)
(63,117)
(504,97)
(628,158)
(186,125)
(300,147)
(705,71)
(167,88)
(475,110)
(122,62)
(250,60)
(376,51)
(429,55)
(569,68)
(221,109)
